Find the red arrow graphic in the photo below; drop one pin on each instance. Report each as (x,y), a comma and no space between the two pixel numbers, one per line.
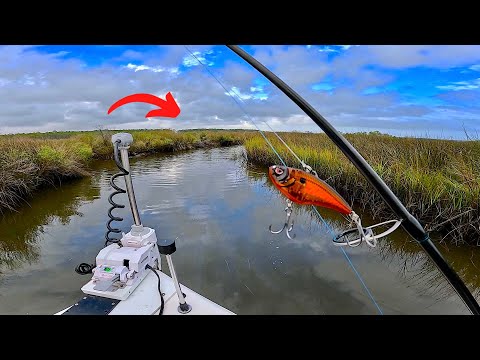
(168,107)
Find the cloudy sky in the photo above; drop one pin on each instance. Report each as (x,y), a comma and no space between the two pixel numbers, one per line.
(403,90)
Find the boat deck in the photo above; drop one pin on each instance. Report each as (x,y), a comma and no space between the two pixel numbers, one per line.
(145,300)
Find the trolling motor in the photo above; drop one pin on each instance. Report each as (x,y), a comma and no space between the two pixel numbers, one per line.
(123,263)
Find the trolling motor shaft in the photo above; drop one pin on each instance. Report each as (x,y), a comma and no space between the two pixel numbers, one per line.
(124,141)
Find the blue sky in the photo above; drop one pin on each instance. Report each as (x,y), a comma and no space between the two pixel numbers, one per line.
(418,90)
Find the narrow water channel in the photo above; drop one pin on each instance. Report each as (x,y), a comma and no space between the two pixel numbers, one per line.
(219,210)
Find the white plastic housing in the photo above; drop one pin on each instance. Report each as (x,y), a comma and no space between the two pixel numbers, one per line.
(128,261)
(126,139)
(139,236)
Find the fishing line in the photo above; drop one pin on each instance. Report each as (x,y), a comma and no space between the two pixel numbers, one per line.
(241,107)
(284,143)
(283,162)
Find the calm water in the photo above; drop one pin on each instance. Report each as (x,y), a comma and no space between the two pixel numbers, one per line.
(219,211)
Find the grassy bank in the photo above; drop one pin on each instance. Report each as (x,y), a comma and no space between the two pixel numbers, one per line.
(30,161)
(437,180)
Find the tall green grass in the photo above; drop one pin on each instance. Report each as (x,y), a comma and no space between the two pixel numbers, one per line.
(30,161)
(437,180)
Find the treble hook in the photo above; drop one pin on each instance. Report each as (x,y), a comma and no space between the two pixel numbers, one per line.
(364,233)
(288,226)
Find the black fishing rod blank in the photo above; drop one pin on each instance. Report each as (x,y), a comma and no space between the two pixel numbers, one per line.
(411,225)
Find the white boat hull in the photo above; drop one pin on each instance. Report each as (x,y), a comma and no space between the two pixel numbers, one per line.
(145,300)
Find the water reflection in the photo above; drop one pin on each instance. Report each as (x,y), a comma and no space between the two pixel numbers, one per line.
(20,230)
(218,210)
(416,265)
(400,251)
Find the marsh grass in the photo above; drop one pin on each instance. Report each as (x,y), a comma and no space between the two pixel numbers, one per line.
(30,161)
(437,180)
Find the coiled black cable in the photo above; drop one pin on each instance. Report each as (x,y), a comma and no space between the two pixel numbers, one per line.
(85,268)
(123,172)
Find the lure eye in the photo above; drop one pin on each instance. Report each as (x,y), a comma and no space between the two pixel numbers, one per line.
(278,171)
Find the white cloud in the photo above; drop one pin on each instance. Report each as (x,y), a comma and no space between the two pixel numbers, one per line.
(346,47)
(235,92)
(406,56)
(475,67)
(258,93)
(143,67)
(327,49)
(28,80)
(61,53)
(296,65)
(262,97)
(157,69)
(461,85)
(191,60)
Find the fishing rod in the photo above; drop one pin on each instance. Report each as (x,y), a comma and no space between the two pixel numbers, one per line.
(411,225)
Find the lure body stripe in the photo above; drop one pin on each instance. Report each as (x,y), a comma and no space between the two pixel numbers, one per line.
(305,189)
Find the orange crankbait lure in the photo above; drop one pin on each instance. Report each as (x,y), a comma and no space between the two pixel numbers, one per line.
(304,188)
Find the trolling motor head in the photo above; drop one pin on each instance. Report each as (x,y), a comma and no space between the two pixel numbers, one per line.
(124,139)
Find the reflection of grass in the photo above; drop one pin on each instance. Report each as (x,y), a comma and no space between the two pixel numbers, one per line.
(436,179)
(397,250)
(417,265)
(18,240)
(29,161)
